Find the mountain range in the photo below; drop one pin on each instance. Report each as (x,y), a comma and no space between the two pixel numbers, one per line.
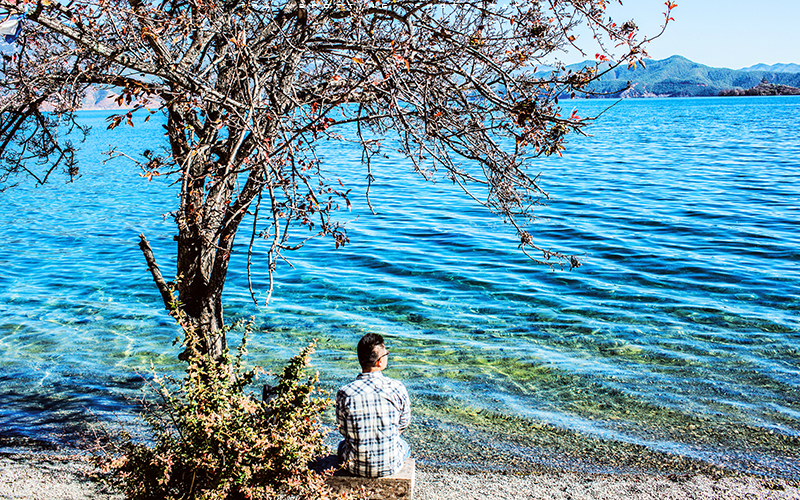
(677,76)
(775,68)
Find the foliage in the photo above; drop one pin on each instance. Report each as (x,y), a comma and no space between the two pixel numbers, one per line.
(212,439)
(248,88)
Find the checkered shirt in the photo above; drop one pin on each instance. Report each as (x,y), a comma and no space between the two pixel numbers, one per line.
(370,412)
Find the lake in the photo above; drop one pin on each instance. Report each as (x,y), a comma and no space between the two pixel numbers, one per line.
(673,348)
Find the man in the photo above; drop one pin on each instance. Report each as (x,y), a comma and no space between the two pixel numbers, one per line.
(371,412)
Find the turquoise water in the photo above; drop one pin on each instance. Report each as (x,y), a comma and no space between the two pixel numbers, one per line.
(677,340)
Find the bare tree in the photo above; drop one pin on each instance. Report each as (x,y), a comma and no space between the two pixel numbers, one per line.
(248,86)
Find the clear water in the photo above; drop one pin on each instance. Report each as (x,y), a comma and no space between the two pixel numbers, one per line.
(675,346)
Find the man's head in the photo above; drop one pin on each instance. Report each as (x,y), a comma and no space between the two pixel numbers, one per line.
(371,351)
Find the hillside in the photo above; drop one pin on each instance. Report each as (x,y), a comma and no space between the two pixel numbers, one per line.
(680,77)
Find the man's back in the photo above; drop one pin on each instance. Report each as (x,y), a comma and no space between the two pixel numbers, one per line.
(371,412)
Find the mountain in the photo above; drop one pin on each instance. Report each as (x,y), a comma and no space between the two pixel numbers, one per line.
(774,68)
(97,98)
(677,76)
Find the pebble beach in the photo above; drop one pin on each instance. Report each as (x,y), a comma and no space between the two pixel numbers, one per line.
(68,477)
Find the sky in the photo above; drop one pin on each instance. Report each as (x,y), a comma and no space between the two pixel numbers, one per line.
(731,34)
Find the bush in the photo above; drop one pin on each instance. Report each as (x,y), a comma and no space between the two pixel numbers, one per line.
(212,439)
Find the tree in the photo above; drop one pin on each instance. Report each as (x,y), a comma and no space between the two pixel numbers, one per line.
(248,86)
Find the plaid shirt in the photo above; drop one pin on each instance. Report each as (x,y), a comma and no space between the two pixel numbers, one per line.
(370,412)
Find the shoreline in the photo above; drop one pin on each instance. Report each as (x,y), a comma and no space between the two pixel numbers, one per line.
(53,476)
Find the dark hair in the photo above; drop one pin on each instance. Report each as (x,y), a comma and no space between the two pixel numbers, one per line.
(367,350)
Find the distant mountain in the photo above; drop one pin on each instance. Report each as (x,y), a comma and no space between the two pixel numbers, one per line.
(97,98)
(774,68)
(679,77)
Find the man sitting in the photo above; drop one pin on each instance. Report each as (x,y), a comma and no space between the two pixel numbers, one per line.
(371,412)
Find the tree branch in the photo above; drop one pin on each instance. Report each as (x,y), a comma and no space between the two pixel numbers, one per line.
(166,296)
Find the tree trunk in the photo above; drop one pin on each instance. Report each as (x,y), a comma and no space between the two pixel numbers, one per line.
(200,284)
(206,229)
(198,306)
(209,215)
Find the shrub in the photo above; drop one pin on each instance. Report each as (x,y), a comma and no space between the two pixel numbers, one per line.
(213,439)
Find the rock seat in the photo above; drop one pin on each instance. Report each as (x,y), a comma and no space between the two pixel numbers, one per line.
(397,486)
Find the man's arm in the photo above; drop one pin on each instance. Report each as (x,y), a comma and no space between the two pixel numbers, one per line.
(405,416)
(341,417)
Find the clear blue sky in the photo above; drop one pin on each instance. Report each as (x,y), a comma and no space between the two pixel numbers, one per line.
(719,33)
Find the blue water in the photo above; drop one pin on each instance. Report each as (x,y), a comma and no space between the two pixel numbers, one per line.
(678,335)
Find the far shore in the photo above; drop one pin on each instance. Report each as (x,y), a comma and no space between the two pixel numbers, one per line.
(53,476)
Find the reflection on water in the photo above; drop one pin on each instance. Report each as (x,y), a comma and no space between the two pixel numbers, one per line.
(674,347)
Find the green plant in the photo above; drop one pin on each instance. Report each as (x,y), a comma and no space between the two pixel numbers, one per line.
(214,439)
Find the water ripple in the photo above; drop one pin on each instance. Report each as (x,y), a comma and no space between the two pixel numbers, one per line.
(678,335)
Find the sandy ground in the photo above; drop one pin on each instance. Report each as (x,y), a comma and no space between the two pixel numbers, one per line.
(39,477)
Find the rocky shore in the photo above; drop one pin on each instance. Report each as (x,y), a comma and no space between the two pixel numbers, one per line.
(67,477)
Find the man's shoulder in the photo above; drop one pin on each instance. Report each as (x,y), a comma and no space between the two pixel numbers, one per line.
(394,383)
(393,388)
(358,385)
(345,389)
(371,383)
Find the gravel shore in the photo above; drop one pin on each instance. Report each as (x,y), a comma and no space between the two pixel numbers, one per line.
(578,486)
(56,477)
(49,477)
